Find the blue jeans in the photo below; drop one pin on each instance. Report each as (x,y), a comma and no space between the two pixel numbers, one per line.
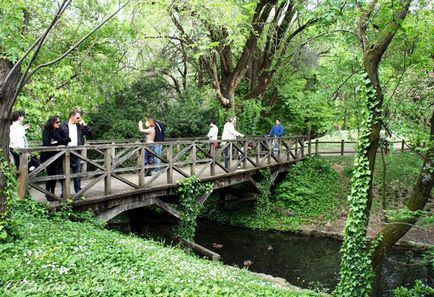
(157,149)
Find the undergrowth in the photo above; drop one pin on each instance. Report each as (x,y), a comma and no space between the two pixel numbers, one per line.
(55,256)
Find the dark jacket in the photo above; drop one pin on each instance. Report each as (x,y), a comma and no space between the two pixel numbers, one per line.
(81,132)
(52,137)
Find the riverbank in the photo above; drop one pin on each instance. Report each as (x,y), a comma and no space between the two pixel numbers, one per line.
(317,200)
(69,254)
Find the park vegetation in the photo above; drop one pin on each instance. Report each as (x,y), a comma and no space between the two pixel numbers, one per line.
(318,66)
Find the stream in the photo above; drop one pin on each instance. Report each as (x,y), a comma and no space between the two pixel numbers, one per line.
(304,261)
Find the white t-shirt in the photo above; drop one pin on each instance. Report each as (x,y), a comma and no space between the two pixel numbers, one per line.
(213,132)
(73,134)
(17,135)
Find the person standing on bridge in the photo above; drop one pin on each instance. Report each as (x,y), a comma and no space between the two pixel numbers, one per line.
(150,137)
(276,131)
(159,136)
(75,128)
(52,135)
(229,133)
(17,135)
(213,135)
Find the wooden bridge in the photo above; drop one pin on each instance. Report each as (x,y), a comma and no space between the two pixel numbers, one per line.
(113,173)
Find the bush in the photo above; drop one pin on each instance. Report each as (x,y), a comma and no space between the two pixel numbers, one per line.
(309,189)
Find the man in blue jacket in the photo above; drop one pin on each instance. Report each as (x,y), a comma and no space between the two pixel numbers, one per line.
(276,131)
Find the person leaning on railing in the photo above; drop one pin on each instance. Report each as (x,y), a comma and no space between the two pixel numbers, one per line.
(276,131)
(52,135)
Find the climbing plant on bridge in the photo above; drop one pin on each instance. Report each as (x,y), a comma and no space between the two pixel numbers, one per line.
(189,206)
(263,203)
(356,271)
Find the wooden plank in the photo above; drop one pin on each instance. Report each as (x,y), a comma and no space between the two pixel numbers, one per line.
(108,168)
(170,162)
(67,173)
(342,147)
(23,178)
(87,187)
(193,159)
(44,164)
(141,163)
(167,208)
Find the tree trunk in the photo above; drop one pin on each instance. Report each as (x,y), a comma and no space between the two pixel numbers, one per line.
(5,111)
(392,232)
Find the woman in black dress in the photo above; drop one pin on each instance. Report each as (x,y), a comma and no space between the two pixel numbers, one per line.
(52,136)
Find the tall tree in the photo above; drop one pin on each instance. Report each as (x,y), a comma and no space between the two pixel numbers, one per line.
(16,73)
(355,266)
(272,26)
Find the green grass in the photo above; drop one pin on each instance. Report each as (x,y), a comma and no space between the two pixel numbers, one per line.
(53,256)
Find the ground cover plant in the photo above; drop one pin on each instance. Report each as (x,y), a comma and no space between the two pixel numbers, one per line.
(54,256)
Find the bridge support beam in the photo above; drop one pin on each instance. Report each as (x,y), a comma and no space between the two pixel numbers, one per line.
(117,210)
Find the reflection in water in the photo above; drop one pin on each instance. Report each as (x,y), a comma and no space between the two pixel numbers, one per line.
(307,262)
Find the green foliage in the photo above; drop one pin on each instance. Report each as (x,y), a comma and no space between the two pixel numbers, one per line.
(7,224)
(263,204)
(355,270)
(189,191)
(189,115)
(419,290)
(63,258)
(309,189)
(118,116)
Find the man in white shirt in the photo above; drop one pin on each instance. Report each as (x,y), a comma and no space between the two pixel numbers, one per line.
(213,134)
(75,128)
(229,133)
(17,135)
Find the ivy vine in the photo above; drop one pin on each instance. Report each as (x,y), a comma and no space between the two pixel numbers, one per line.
(9,192)
(263,203)
(189,207)
(355,270)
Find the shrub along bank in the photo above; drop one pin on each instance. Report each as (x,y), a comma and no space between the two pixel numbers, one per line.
(316,190)
(55,256)
(309,191)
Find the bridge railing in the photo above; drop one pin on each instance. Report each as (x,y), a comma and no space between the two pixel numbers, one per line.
(125,163)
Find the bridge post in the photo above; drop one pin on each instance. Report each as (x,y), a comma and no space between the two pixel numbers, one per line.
(23,178)
(342,146)
(302,146)
(258,152)
(193,159)
(67,173)
(212,165)
(230,163)
(296,149)
(84,155)
(245,152)
(170,164)
(316,146)
(309,147)
(270,150)
(141,164)
(108,168)
(288,151)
